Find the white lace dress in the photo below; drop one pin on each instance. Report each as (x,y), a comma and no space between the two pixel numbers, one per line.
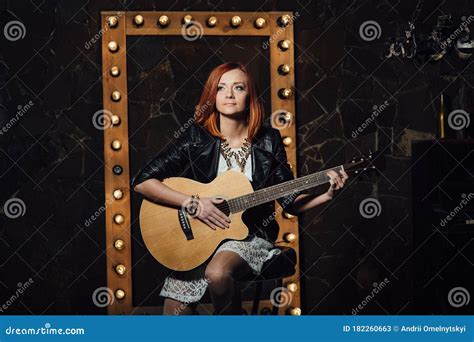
(189,287)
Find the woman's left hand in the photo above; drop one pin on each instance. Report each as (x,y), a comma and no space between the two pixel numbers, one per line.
(337,181)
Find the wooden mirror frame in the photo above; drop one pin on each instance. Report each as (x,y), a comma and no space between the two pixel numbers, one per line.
(116,26)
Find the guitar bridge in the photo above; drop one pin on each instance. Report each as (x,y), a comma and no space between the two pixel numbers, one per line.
(185,225)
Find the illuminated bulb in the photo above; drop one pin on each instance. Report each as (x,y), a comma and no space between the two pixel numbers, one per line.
(113,46)
(115,120)
(236,21)
(119,244)
(118,194)
(284,69)
(112,22)
(116,96)
(138,20)
(119,294)
(260,23)
(115,71)
(119,219)
(187,19)
(292,287)
(164,21)
(287,141)
(285,93)
(284,20)
(284,44)
(120,269)
(211,21)
(289,237)
(295,311)
(116,145)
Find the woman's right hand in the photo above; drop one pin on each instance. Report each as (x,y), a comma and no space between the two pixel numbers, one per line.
(210,214)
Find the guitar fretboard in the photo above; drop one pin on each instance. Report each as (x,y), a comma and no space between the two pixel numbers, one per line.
(274,192)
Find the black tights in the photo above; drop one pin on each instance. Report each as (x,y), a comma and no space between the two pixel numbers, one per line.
(222,272)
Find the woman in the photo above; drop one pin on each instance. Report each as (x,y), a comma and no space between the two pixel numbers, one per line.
(227,134)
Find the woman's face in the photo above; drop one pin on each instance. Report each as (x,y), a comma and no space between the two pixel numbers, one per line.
(232,93)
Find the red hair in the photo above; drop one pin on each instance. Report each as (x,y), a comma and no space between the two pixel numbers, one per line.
(206,112)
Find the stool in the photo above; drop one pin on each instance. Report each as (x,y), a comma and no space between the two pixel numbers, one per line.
(280,266)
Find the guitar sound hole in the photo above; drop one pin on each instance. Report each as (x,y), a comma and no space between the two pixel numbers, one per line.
(224,206)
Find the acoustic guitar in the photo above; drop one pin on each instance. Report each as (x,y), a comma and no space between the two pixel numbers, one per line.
(177,239)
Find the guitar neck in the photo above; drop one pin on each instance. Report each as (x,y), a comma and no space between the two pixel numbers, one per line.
(274,192)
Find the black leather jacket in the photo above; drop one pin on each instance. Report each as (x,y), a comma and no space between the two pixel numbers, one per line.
(195,155)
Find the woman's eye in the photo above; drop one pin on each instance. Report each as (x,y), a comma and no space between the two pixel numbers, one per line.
(240,88)
(220,88)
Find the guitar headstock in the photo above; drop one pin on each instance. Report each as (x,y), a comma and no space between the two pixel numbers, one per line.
(363,163)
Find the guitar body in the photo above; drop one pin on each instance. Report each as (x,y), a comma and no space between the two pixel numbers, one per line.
(181,242)
(184,245)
